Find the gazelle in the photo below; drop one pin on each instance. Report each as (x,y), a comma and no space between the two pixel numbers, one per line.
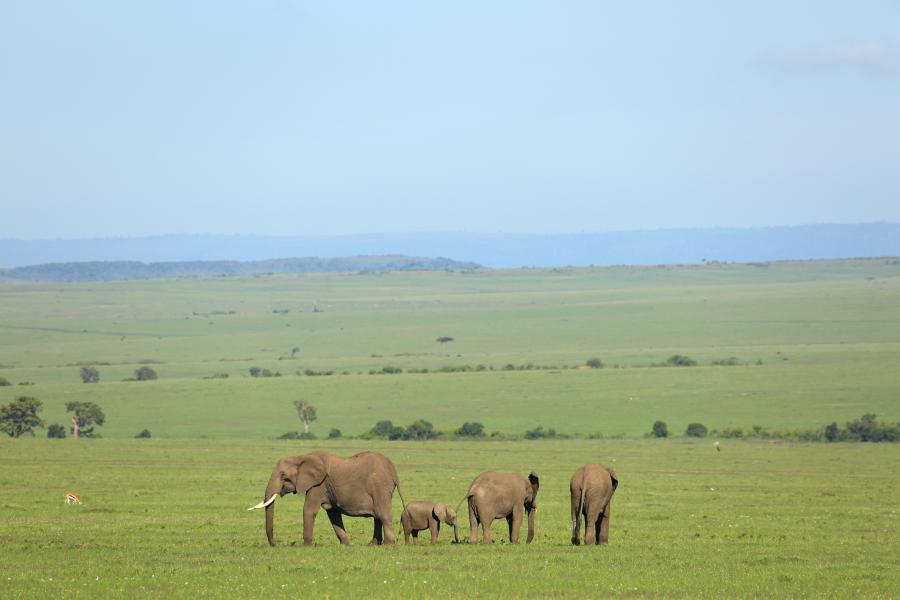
(73,498)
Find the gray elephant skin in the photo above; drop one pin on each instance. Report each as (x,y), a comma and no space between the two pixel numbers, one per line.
(592,488)
(359,486)
(507,496)
(425,514)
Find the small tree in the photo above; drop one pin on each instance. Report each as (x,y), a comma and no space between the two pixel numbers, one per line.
(56,431)
(660,429)
(594,363)
(86,415)
(696,430)
(444,339)
(832,432)
(334,434)
(306,412)
(387,429)
(680,360)
(143,434)
(145,373)
(4,382)
(421,430)
(470,430)
(90,375)
(20,417)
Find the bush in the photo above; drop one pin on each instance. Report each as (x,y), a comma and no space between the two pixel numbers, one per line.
(732,432)
(731,361)
(420,430)
(696,430)
(390,370)
(90,375)
(832,432)
(144,434)
(470,430)
(4,382)
(217,376)
(679,360)
(539,433)
(334,434)
(660,429)
(145,374)
(867,429)
(56,431)
(386,429)
(297,435)
(259,372)
(594,363)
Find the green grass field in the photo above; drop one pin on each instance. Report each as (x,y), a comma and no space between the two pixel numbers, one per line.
(815,341)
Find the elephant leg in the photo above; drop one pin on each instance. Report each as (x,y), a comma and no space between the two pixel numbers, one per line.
(515,524)
(415,535)
(407,527)
(474,521)
(385,516)
(377,534)
(592,525)
(337,522)
(310,510)
(509,525)
(576,517)
(604,526)
(435,527)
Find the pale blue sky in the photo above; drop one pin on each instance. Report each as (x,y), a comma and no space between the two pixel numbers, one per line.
(291,117)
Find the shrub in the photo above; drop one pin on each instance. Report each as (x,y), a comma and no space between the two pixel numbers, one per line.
(420,430)
(145,374)
(143,434)
(391,370)
(594,363)
(386,429)
(539,433)
(334,434)
(297,435)
(259,372)
(217,376)
(90,375)
(867,429)
(660,429)
(4,382)
(732,432)
(56,431)
(679,360)
(696,430)
(444,339)
(731,361)
(832,432)
(470,430)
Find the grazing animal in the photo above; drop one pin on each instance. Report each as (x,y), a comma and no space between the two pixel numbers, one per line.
(718,447)
(592,487)
(73,498)
(359,486)
(425,514)
(502,496)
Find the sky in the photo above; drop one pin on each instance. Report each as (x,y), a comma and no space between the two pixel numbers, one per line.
(286,117)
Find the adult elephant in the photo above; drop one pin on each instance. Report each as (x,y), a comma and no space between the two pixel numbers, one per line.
(359,486)
(591,488)
(507,496)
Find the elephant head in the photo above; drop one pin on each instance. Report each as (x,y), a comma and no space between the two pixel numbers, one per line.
(291,475)
(530,504)
(447,515)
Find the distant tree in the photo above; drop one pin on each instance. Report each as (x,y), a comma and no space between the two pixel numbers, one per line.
(660,429)
(539,433)
(4,382)
(90,375)
(679,360)
(696,430)
(444,339)
(56,431)
(86,415)
(334,434)
(20,416)
(386,429)
(594,363)
(470,430)
(294,351)
(832,432)
(145,373)
(306,412)
(144,434)
(421,430)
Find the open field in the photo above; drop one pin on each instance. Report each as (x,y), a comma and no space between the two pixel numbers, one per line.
(815,342)
(166,517)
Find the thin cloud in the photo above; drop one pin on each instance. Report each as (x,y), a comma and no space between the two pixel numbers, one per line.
(867,56)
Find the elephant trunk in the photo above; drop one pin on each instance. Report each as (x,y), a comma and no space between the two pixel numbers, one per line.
(531,524)
(273,488)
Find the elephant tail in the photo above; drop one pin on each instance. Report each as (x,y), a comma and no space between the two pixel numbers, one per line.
(400,493)
(577,526)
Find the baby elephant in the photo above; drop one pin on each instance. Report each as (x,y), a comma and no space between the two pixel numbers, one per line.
(592,487)
(425,514)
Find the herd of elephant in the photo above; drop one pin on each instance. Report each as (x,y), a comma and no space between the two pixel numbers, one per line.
(363,486)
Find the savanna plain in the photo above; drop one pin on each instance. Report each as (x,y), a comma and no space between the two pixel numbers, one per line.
(799,345)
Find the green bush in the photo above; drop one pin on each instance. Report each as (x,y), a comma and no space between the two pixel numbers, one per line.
(334,434)
(143,434)
(420,430)
(56,431)
(297,435)
(390,370)
(539,433)
(145,374)
(732,432)
(660,429)
(4,382)
(679,360)
(594,363)
(696,430)
(731,361)
(867,429)
(470,430)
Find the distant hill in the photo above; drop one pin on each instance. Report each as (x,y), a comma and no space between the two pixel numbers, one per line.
(114,270)
(488,249)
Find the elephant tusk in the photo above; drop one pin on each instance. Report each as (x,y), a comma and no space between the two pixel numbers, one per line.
(264,504)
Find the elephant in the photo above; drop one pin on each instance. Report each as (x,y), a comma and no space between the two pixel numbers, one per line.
(359,486)
(425,514)
(496,495)
(592,487)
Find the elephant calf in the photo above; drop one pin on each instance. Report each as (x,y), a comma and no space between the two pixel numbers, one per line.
(425,514)
(592,487)
(502,496)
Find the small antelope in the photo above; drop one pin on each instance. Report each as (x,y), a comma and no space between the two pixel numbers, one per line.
(718,447)
(73,498)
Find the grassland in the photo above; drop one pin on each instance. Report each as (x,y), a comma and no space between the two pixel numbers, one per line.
(816,342)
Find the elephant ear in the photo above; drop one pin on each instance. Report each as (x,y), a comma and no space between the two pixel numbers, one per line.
(615,479)
(535,485)
(439,512)
(310,472)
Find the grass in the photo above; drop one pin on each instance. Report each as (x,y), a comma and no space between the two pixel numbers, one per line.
(166,517)
(815,342)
